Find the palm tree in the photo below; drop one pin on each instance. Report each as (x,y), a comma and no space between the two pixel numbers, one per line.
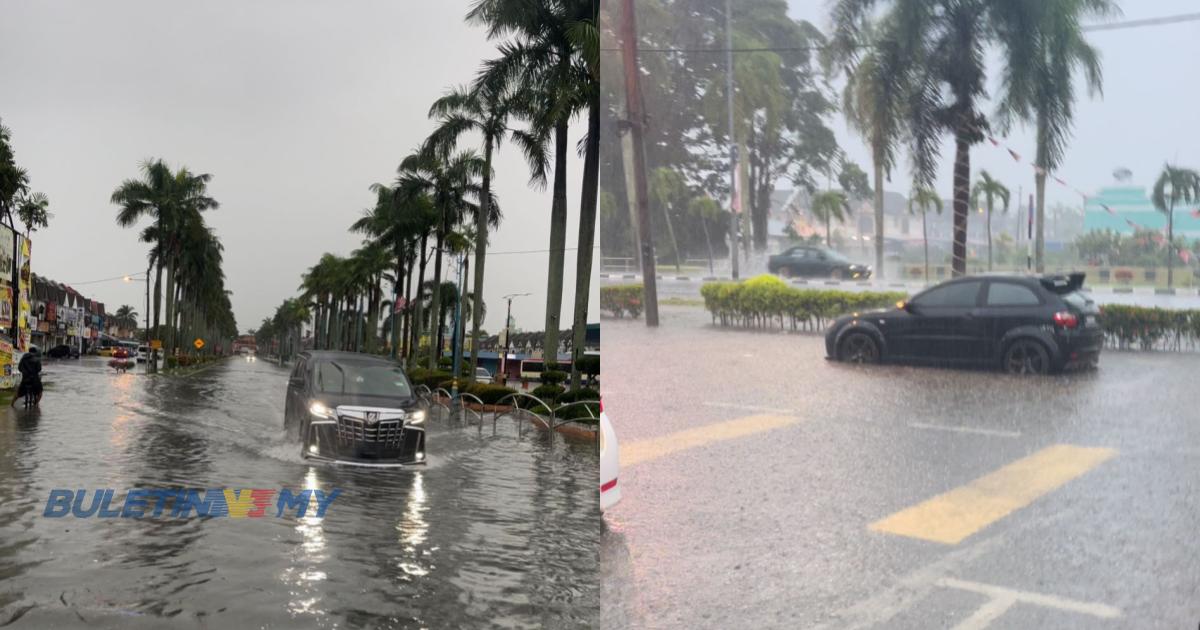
(168,198)
(989,190)
(126,316)
(545,62)
(924,199)
(1175,185)
(486,108)
(451,183)
(32,212)
(1046,45)
(942,46)
(830,205)
(874,101)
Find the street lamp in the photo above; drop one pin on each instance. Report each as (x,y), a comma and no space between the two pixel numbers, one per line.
(508,333)
(152,366)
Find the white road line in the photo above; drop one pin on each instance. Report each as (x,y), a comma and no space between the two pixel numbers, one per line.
(749,407)
(986,614)
(1001,593)
(945,427)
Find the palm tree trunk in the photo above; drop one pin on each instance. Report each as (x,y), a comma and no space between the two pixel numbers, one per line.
(481,239)
(558,243)
(879,219)
(989,232)
(435,336)
(925,236)
(157,308)
(170,319)
(828,232)
(460,327)
(1039,245)
(587,235)
(1170,242)
(962,193)
(417,322)
(408,311)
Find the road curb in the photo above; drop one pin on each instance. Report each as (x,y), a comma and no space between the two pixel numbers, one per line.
(911,287)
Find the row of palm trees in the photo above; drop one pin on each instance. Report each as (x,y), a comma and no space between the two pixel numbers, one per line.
(917,70)
(185,255)
(442,202)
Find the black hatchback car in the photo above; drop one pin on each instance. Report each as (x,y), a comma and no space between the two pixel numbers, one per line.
(1021,324)
(817,262)
(351,408)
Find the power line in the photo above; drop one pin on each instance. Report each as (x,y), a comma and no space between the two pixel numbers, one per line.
(1111,26)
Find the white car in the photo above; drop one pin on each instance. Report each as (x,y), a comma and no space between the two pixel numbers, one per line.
(482,375)
(143,354)
(610,464)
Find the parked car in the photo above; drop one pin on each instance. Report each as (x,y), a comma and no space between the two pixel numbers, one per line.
(106,351)
(352,408)
(1020,324)
(63,351)
(482,375)
(121,353)
(143,354)
(816,262)
(610,463)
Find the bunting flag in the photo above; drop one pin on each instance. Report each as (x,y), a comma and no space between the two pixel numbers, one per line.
(1108,209)
(1014,154)
(1059,180)
(1196,213)
(994,141)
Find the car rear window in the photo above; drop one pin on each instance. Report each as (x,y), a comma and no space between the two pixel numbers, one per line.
(1077,300)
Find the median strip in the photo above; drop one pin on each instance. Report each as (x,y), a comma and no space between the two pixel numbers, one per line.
(653,448)
(951,517)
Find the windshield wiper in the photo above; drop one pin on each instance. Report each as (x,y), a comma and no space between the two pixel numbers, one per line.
(343,372)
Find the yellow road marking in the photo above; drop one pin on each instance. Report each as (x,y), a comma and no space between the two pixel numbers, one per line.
(951,517)
(653,448)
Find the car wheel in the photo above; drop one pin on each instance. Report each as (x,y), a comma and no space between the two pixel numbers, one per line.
(859,347)
(837,274)
(1026,356)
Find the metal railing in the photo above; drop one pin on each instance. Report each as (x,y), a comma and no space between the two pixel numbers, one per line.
(586,404)
(516,397)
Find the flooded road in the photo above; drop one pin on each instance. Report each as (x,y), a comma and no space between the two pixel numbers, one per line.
(495,531)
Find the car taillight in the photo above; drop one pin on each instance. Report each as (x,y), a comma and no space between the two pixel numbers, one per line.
(1066,319)
(601,405)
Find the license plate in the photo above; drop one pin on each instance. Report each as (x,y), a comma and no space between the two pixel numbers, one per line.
(1090,321)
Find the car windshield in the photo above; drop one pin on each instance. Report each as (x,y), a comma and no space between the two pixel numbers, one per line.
(1078,300)
(834,256)
(368,379)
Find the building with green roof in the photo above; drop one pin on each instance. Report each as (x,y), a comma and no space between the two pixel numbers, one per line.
(1123,209)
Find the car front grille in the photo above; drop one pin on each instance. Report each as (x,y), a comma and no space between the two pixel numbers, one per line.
(359,431)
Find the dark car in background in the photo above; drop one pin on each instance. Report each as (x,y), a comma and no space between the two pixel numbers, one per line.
(811,261)
(352,408)
(1021,324)
(63,352)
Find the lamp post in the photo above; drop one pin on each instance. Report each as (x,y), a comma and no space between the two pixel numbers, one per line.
(508,334)
(152,365)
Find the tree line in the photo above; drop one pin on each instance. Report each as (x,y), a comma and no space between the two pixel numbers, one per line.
(442,202)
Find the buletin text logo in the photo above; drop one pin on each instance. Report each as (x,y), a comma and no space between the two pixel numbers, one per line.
(188,502)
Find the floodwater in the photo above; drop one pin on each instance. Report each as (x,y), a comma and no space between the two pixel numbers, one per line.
(496,531)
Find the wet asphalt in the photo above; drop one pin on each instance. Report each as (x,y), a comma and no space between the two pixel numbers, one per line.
(496,531)
(771,529)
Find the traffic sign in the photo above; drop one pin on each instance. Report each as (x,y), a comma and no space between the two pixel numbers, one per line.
(199,343)
(156,344)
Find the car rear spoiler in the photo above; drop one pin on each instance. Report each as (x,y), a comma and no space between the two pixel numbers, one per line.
(1064,283)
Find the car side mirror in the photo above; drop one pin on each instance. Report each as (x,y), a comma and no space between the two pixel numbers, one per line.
(906,306)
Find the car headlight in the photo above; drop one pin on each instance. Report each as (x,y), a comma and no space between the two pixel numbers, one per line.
(416,417)
(319,410)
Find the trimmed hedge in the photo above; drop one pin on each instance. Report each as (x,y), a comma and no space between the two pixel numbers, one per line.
(1149,328)
(488,393)
(621,299)
(548,393)
(583,393)
(768,302)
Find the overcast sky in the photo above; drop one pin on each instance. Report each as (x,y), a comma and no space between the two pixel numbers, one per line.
(295,108)
(1147,114)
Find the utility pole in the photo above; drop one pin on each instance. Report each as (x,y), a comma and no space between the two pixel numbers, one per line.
(733,149)
(637,121)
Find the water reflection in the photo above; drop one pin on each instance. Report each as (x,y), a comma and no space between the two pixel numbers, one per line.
(494,530)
